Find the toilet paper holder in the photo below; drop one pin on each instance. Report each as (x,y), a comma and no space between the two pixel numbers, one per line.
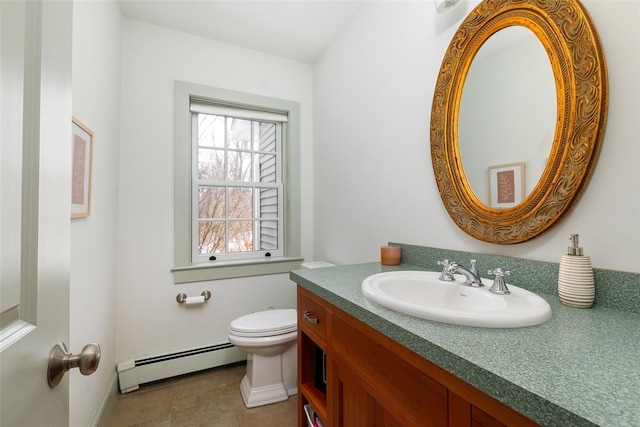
(182,297)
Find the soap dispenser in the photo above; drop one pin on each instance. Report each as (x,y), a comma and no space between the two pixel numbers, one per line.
(575,278)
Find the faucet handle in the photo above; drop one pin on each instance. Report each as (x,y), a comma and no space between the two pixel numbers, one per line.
(474,267)
(499,287)
(498,272)
(446,273)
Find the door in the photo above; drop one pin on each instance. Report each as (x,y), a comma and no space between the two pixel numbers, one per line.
(35,184)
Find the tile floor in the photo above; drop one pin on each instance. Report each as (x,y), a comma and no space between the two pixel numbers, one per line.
(208,398)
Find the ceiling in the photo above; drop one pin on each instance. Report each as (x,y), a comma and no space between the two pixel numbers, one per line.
(294,29)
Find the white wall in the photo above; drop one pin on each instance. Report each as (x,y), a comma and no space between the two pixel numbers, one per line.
(149,318)
(373,176)
(368,144)
(96,102)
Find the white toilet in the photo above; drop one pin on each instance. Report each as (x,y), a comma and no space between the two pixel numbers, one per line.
(269,339)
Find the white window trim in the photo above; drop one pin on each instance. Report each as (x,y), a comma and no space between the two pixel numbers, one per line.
(184,270)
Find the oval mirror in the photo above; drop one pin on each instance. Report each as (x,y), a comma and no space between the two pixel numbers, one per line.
(512,154)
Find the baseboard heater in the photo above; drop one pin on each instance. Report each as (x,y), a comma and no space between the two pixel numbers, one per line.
(133,372)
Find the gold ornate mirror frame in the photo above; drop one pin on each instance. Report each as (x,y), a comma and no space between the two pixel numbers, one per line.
(569,36)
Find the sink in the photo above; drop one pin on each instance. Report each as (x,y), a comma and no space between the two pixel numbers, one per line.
(422,294)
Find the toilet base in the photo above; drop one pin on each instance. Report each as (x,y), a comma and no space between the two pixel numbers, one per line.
(258,396)
(270,379)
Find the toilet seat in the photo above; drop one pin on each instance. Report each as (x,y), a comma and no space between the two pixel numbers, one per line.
(265,323)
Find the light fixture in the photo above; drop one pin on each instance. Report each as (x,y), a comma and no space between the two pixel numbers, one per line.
(446,5)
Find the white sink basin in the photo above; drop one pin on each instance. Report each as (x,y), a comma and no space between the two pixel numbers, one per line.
(422,294)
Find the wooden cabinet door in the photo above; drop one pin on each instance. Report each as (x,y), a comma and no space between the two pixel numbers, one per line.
(406,392)
(479,418)
(354,406)
(383,418)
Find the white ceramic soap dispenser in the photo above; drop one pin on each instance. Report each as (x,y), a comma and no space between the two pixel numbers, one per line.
(575,278)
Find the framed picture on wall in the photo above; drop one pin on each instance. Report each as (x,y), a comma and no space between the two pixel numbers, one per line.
(82,159)
(506,185)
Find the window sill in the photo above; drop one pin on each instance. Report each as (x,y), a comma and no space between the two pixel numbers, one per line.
(233,269)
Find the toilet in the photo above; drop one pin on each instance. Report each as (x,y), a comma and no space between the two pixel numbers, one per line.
(269,339)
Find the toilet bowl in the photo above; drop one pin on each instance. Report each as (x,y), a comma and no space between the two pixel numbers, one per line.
(269,339)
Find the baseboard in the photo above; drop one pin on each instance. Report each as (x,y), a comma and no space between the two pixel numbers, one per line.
(103,412)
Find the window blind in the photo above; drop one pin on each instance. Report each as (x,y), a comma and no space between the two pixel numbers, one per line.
(203,106)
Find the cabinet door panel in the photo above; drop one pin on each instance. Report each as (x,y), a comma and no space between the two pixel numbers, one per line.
(355,407)
(479,418)
(459,411)
(383,418)
(390,378)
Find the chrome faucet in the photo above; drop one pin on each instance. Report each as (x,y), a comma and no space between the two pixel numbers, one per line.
(451,268)
(472,278)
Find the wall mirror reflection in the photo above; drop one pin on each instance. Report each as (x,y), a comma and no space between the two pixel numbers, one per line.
(507,111)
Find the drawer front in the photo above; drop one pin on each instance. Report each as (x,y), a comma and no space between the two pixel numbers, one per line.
(312,317)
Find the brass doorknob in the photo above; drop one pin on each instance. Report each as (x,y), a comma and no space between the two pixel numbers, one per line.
(60,361)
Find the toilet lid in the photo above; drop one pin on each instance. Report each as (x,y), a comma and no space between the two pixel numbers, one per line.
(265,323)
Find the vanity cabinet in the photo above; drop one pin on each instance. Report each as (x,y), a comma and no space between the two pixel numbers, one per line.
(352,375)
(312,352)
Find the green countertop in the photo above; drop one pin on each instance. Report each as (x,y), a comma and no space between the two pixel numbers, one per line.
(581,368)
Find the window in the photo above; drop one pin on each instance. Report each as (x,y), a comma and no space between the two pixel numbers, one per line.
(236,184)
